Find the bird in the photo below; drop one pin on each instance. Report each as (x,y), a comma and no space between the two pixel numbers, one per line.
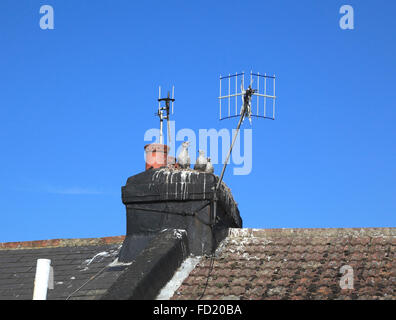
(200,165)
(209,167)
(183,158)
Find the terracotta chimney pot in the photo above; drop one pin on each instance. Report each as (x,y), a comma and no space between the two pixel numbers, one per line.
(156,155)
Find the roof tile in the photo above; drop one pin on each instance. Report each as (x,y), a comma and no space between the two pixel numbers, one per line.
(76,262)
(298,264)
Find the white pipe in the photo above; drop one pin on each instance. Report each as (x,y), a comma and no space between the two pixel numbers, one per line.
(161,137)
(42,278)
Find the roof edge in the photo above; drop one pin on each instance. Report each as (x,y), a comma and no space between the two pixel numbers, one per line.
(55,243)
(313,232)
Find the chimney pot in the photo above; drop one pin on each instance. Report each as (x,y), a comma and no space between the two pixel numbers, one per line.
(156,155)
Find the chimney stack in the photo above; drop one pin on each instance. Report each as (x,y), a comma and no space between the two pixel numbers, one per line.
(171,198)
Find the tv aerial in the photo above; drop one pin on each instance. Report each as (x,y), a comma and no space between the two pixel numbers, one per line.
(266,92)
(165,111)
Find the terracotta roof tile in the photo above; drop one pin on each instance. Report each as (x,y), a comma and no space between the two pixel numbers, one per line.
(53,243)
(297,264)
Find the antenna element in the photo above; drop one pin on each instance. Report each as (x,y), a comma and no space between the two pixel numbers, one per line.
(167,109)
(267,92)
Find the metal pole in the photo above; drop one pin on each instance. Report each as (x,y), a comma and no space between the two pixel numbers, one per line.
(161,138)
(273,108)
(236,91)
(225,165)
(160,113)
(232,145)
(168,134)
(220,97)
(258,90)
(265,90)
(229,92)
(159,97)
(173,97)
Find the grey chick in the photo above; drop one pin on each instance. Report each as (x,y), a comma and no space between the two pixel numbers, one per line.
(183,158)
(200,165)
(209,167)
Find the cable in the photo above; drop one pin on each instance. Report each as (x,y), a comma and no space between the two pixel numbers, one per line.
(191,214)
(212,257)
(90,279)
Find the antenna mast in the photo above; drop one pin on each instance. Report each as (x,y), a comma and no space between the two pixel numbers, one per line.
(167,109)
(245,110)
(246,107)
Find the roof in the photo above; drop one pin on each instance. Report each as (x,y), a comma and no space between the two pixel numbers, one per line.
(93,269)
(75,263)
(248,264)
(297,264)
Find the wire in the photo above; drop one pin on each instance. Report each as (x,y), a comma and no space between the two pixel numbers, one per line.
(191,214)
(90,279)
(212,257)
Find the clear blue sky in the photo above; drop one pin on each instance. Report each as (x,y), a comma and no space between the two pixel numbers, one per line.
(75,103)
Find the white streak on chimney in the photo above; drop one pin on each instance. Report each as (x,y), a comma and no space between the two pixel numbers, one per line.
(179,276)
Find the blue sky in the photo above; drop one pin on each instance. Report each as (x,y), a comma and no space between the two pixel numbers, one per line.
(76,101)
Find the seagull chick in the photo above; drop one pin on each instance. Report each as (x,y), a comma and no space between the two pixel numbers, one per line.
(200,165)
(183,158)
(209,167)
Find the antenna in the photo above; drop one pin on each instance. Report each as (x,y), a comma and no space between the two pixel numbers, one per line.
(267,91)
(245,110)
(165,109)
